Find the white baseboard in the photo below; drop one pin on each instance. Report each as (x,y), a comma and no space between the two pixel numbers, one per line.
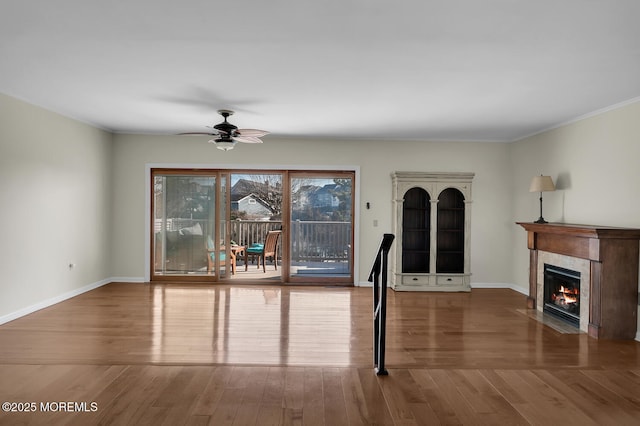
(49,302)
(638,336)
(128,280)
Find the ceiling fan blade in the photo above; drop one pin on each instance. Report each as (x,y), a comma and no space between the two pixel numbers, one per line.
(247,139)
(199,133)
(217,131)
(251,132)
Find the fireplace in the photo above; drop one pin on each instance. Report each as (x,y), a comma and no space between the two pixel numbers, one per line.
(609,287)
(562,293)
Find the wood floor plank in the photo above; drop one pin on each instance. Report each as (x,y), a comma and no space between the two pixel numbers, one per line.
(401,392)
(197,421)
(439,410)
(542,402)
(248,414)
(487,403)
(228,406)
(464,409)
(528,404)
(274,387)
(313,398)
(335,410)
(115,402)
(293,398)
(272,406)
(145,409)
(127,395)
(212,393)
(620,382)
(255,380)
(599,403)
(374,397)
(363,398)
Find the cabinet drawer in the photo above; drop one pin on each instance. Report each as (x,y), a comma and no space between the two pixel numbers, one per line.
(450,280)
(415,280)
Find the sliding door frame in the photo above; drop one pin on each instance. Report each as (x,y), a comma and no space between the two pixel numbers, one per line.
(205,169)
(328,174)
(220,213)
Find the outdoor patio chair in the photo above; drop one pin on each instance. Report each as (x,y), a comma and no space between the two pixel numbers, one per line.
(268,249)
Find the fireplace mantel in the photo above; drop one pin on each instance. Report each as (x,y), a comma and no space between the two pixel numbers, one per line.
(613,254)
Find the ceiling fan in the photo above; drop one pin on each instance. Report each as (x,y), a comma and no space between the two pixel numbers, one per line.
(226,134)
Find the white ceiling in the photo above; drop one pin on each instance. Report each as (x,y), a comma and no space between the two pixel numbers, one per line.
(392,69)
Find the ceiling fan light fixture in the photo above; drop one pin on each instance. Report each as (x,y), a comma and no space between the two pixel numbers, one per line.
(224,144)
(226,135)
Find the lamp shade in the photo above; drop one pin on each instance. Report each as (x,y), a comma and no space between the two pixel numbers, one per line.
(542,184)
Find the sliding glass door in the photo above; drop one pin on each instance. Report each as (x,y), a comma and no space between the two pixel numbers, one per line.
(190,233)
(209,225)
(321,226)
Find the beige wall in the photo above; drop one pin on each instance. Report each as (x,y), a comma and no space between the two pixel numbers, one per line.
(55,195)
(595,162)
(491,208)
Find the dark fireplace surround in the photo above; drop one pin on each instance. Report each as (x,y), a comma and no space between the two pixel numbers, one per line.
(613,268)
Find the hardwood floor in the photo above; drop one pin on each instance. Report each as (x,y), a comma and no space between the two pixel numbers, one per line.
(212,355)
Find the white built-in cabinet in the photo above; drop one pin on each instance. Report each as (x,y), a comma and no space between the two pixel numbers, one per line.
(432,224)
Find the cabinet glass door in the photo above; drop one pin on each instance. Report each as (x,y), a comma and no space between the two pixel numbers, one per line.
(450,246)
(416,230)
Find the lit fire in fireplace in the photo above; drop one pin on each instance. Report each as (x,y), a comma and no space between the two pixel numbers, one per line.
(565,296)
(562,293)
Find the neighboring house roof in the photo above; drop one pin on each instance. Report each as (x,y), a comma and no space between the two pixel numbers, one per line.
(260,201)
(244,187)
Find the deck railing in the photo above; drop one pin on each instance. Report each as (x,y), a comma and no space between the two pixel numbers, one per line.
(312,241)
(247,232)
(320,241)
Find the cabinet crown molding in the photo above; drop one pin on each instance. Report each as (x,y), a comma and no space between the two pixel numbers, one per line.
(450,176)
